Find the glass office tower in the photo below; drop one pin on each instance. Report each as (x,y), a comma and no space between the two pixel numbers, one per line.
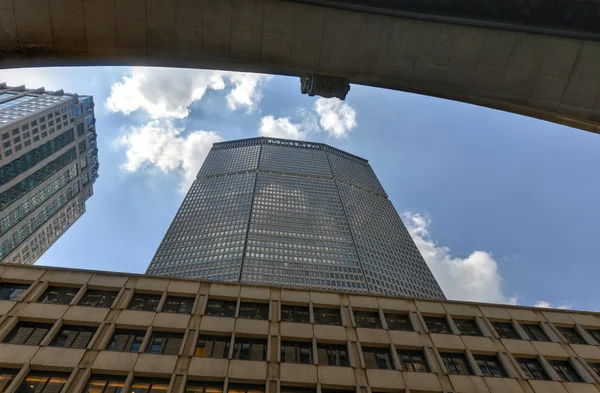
(290,213)
(48,164)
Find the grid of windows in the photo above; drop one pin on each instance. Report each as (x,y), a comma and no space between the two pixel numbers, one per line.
(10,291)
(333,355)
(490,366)
(74,337)
(571,335)
(532,368)
(367,319)
(7,375)
(213,346)
(104,384)
(299,314)
(58,295)
(506,330)
(98,298)
(535,332)
(28,333)
(296,352)
(467,327)
(456,363)
(376,357)
(298,214)
(43,382)
(413,361)
(437,325)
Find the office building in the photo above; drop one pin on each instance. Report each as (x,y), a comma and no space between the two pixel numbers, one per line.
(48,163)
(77,331)
(291,213)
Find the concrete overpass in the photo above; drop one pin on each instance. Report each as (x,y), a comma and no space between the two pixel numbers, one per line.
(535,70)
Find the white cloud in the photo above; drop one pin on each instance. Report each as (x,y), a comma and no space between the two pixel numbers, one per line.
(337,117)
(169,92)
(159,144)
(281,128)
(475,278)
(545,304)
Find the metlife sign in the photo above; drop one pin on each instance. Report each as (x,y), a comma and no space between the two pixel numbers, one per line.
(293,144)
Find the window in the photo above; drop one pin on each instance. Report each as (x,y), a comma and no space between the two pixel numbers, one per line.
(413,361)
(43,382)
(467,327)
(377,358)
(74,337)
(296,389)
(595,367)
(104,384)
(126,340)
(221,308)
(532,369)
(456,363)
(490,366)
(296,352)
(327,316)
(298,314)
(213,347)
(437,325)
(254,311)
(144,302)
(399,322)
(333,355)
(367,319)
(506,330)
(98,298)
(571,335)
(58,295)
(6,377)
(178,305)
(239,388)
(250,349)
(203,387)
(143,385)
(10,291)
(165,343)
(535,332)
(28,333)
(565,371)
(595,335)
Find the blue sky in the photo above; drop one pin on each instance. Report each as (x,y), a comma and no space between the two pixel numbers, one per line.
(492,199)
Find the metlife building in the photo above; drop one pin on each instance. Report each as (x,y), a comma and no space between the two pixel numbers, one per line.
(291,213)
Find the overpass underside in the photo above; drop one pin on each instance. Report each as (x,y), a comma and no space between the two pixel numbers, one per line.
(535,73)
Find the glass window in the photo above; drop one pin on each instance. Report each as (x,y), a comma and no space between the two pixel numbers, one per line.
(333,355)
(244,388)
(213,347)
(58,295)
(490,366)
(506,330)
(144,302)
(165,343)
(595,335)
(104,384)
(296,352)
(532,369)
(413,361)
(144,385)
(467,327)
(250,349)
(377,358)
(126,340)
(565,371)
(43,382)
(10,291)
(437,325)
(71,336)
(535,332)
(367,319)
(298,314)
(571,335)
(178,305)
(456,363)
(595,367)
(399,322)
(254,310)
(7,375)
(28,333)
(98,298)
(327,316)
(221,308)
(203,387)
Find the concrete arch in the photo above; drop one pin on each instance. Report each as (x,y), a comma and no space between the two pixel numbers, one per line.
(551,78)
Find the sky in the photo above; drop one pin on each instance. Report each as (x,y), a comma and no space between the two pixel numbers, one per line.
(504,208)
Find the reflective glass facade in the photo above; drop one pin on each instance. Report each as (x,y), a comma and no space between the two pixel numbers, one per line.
(48,164)
(299,214)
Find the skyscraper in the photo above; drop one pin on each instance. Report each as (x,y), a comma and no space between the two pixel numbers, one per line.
(290,213)
(48,163)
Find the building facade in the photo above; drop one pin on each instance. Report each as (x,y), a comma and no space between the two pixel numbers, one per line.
(76,331)
(300,214)
(48,163)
